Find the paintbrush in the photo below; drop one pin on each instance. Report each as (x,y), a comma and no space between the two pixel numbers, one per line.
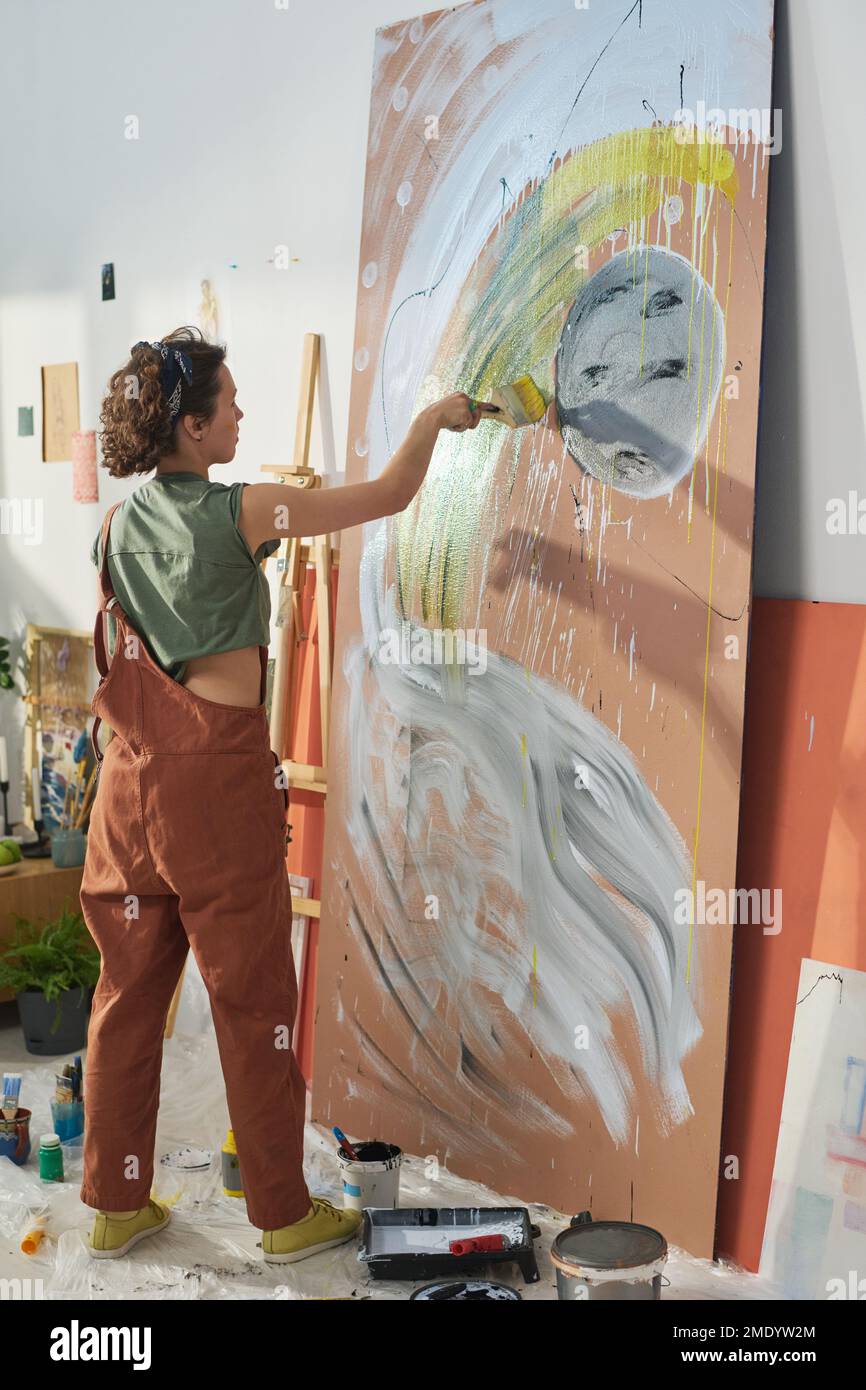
(85,802)
(520,403)
(11,1094)
(70,804)
(79,757)
(344,1144)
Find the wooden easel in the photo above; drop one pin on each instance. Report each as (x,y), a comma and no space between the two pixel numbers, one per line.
(292,560)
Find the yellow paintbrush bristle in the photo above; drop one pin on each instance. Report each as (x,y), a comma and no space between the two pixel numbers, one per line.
(521,401)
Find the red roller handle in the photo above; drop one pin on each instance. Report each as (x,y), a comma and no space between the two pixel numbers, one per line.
(475,1244)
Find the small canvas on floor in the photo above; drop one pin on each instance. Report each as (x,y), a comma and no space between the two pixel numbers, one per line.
(815,1238)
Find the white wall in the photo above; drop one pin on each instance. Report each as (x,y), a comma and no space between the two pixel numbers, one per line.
(253,134)
(812,435)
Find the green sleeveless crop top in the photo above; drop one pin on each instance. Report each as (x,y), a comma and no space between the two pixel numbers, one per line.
(184,574)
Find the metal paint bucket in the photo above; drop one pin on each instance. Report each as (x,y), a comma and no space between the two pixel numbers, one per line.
(606,1260)
(374,1179)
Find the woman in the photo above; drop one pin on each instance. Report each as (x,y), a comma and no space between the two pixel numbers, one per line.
(187,837)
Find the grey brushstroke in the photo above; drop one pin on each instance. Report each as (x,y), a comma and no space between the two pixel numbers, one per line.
(597,954)
(636,387)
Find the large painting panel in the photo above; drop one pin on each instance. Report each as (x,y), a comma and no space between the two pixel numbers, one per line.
(540,664)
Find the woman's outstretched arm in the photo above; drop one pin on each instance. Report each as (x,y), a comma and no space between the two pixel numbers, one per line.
(273,510)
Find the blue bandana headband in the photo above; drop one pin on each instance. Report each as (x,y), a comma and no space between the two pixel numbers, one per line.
(176,368)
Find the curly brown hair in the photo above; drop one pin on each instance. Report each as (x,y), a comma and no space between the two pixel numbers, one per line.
(136,429)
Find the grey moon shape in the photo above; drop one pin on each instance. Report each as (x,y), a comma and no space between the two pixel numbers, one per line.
(638,371)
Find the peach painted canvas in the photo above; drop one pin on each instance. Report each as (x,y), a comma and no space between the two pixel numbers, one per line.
(539,672)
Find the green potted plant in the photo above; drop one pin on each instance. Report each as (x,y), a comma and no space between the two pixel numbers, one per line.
(53,970)
(7,680)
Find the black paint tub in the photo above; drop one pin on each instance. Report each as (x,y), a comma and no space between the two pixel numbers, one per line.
(608,1260)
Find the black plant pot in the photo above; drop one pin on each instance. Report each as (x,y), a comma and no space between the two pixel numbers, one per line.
(39,1016)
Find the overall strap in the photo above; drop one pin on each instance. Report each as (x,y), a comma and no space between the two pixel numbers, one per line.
(105,584)
(109,598)
(263,688)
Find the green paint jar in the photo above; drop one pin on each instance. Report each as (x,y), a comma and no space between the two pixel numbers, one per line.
(50,1159)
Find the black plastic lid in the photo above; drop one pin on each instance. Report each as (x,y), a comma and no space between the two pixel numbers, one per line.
(465,1291)
(610,1245)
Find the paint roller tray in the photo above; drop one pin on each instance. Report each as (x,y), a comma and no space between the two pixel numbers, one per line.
(413,1242)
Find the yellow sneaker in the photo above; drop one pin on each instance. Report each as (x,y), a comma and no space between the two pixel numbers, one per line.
(113,1236)
(325,1225)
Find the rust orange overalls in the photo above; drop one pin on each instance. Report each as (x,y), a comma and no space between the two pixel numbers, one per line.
(186,847)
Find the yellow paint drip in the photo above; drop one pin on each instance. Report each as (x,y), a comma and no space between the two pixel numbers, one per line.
(722,430)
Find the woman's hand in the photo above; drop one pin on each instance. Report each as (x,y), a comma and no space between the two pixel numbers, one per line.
(459,412)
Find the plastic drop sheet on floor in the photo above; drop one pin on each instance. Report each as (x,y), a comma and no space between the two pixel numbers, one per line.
(209,1250)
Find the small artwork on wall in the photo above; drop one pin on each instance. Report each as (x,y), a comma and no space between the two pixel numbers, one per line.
(108,280)
(25,419)
(60,417)
(208,312)
(85,482)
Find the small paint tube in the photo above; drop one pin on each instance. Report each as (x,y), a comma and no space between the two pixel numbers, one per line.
(33,1237)
(11,1094)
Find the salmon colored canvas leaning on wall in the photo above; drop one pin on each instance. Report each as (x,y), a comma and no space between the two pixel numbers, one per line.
(511,979)
(802,833)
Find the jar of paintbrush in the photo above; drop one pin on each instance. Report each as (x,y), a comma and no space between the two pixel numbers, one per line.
(14,1121)
(68,841)
(67,1107)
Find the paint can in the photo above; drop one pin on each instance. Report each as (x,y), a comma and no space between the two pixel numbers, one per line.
(606,1260)
(465,1291)
(373,1180)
